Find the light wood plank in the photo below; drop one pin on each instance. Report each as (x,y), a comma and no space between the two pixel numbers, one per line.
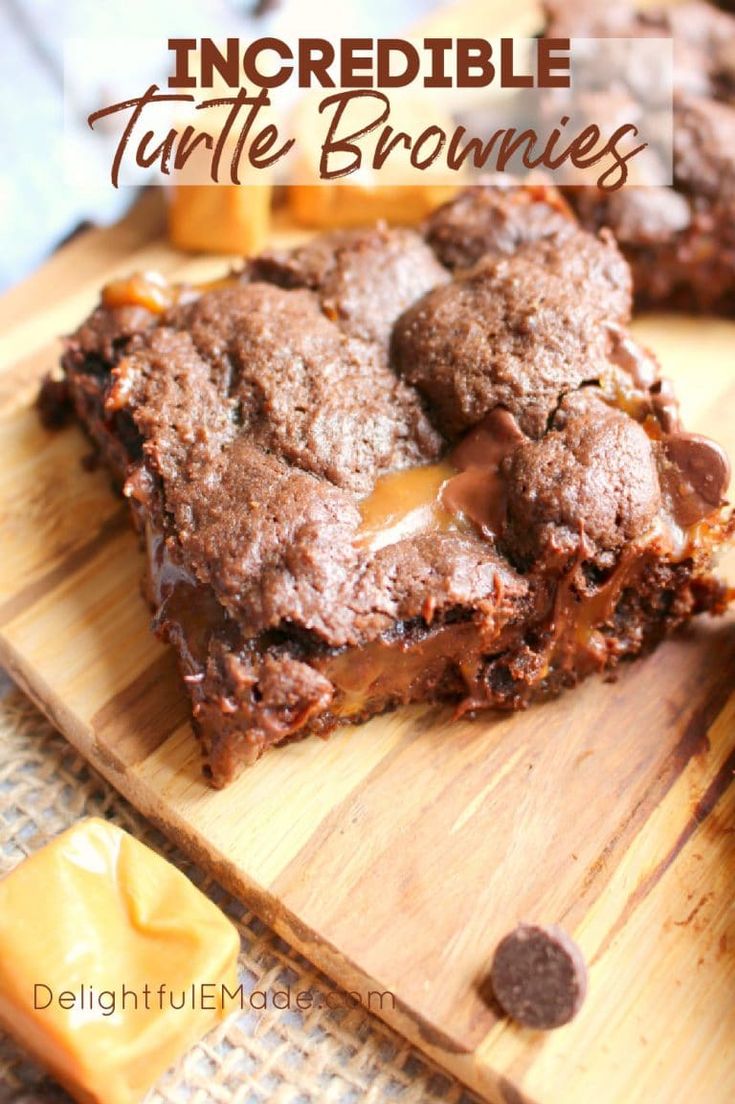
(396,854)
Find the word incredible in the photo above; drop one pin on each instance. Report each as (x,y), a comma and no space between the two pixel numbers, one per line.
(367,63)
(238,135)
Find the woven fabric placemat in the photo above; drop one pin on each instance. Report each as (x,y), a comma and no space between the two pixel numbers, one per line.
(329,1055)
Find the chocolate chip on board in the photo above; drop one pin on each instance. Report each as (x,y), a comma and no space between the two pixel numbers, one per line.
(539,976)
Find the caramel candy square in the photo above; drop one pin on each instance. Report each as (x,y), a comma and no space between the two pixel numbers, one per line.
(99,938)
(221,218)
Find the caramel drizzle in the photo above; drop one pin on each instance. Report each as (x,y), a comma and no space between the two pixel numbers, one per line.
(405,503)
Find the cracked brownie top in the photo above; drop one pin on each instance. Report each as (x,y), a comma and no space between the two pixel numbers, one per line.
(270,413)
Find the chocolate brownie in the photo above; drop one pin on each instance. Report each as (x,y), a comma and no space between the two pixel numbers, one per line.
(394,466)
(679,241)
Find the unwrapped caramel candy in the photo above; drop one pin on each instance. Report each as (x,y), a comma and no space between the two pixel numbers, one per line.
(220,218)
(112,963)
(326,205)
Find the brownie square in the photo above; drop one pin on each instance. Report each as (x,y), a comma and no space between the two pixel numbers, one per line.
(392,466)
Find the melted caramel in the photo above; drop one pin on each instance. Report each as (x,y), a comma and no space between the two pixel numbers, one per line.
(143,289)
(404,503)
(153,291)
(464,489)
(403,670)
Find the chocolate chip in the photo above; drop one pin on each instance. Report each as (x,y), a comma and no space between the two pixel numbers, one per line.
(478,491)
(54,403)
(538,976)
(665,405)
(701,477)
(479,495)
(631,357)
(489,442)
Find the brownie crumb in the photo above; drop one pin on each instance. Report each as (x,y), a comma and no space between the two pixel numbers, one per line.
(54,403)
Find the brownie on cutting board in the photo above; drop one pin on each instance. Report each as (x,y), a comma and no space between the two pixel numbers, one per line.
(391,466)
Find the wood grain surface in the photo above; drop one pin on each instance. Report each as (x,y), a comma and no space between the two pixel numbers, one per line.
(396,855)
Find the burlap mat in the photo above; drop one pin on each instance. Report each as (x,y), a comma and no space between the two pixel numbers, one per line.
(289,1057)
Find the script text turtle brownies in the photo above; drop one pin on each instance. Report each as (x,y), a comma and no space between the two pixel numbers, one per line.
(392,466)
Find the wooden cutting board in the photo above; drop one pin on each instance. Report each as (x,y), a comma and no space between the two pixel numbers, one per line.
(397,854)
